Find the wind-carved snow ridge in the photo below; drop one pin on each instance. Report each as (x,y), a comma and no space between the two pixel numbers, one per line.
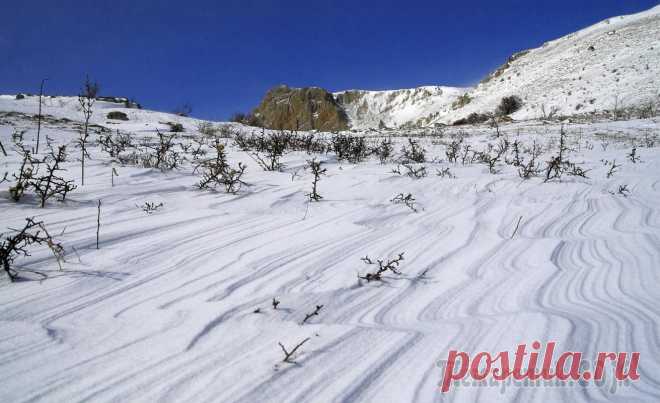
(614,64)
(177,305)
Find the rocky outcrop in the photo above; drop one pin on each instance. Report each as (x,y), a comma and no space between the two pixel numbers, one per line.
(309,108)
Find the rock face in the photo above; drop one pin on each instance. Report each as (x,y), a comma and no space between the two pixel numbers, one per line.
(309,108)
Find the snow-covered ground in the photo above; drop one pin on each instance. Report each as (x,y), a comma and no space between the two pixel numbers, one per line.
(164,310)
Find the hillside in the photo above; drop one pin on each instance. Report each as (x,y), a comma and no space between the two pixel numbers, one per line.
(614,64)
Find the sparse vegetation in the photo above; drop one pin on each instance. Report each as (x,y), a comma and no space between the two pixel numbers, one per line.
(461,101)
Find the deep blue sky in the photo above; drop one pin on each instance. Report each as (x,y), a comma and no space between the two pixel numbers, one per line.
(221,56)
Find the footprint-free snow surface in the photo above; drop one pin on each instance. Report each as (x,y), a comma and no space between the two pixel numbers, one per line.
(176,305)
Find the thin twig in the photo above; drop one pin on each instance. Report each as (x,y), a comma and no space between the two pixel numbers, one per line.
(516,229)
(98,224)
(288,355)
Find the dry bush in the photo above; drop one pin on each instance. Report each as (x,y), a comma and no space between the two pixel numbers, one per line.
(317,171)
(391,265)
(21,241)
(413,153)
(408,200)
(560,164)
(46,185)
(217,172)
(509,105)
(289,356)
(24,175)
(384,150)
(115,144)
(162,155)
(453,149)
(176,127)
(51,185)
(150,207)
(353,149)
(86,99)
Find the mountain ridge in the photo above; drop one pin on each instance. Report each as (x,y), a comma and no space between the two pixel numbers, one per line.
(609,66)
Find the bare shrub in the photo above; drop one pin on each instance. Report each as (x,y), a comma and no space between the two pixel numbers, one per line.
(633,157)
(353,149)
(207,129)
(310,315)
(51,185)
(317,171)
(391,265)
(24,175)
(613,169)
(21,241)
(115,144)
(44,186)
(530,168)
(86,99)
(289,356)
(453,149)
(176,127)
(268,151)
(414,152)
(445,173)
(384,150)
(150,207)
(411,171)
(623,190)
(408,200)
(217,172)
(162,155)
(559,164)
(509,105)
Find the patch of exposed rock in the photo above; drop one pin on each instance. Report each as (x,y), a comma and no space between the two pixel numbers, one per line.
(309,108)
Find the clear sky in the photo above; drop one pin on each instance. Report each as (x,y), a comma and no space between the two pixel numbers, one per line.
(221,56)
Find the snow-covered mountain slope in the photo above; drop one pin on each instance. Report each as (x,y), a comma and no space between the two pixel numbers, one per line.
(395,108)
(612,64)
